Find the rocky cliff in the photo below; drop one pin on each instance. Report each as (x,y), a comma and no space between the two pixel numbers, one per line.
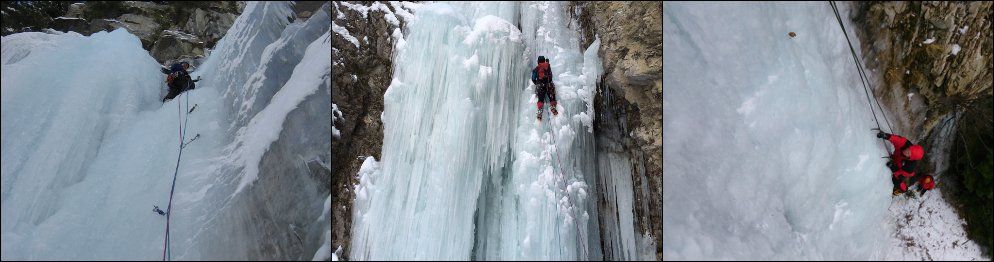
(934,57)
(361,69)
(631,35)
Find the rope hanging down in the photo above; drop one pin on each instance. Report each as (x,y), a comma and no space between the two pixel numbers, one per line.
(166,250)
(579,244)
(862,73)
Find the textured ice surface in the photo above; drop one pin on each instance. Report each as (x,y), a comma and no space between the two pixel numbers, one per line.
(88,147)
(466,171)
(768,152)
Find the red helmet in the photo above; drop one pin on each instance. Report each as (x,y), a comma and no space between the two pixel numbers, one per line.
(916,152)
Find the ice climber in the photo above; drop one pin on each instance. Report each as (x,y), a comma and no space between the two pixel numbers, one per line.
(542,78)
(926,183)
(178,79)
(902,161)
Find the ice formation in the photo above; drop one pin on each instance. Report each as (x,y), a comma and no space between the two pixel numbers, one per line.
(466,171)
(89,148)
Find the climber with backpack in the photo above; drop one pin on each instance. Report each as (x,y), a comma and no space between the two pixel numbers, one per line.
(925,183)
(902,161)
(178,79)
(542,78)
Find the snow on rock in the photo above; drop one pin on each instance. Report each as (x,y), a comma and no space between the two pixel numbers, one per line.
(344,33)
(398,8)
(955,49)
(388,14)
(963,30)
(334,256)
(364,10)
(399,39)
(929,41)
(335,116)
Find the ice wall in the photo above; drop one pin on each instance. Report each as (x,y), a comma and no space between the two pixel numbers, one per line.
(768,149)
(466,171)
(88,148)
(447,124)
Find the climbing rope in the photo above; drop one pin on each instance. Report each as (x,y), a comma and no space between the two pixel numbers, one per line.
(579,234)
(166,250)
(863,79)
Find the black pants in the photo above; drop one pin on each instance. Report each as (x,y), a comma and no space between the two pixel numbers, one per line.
(175,91)
(543,90)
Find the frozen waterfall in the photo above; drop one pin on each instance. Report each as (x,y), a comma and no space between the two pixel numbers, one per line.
(466,171)
(88,148)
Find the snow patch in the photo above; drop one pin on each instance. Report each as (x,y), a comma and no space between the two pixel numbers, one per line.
(335,116)
(345,34)
(399,39)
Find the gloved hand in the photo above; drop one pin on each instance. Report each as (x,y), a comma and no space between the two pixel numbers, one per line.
(883,135)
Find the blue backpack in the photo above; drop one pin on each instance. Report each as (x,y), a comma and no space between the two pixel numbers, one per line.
(535,76)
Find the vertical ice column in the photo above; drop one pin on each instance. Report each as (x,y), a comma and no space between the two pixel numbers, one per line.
(448,119)
(544,212)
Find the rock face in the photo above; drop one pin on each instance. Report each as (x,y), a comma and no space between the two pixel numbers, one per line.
(75,10)
(938,51)
(30,16)
(174,44)
(360,76)
(71,24)
(210,26)
(631,49)
(142,26)
(205,22)
(97,25)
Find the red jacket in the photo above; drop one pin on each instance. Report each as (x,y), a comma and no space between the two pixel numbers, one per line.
(544,72)
(905,166)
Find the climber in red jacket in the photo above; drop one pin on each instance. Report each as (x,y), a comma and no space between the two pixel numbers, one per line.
(902,161)
(926,183)
(542,78)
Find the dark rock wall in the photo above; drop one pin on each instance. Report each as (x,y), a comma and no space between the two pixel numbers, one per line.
(360,99)
(631,35)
